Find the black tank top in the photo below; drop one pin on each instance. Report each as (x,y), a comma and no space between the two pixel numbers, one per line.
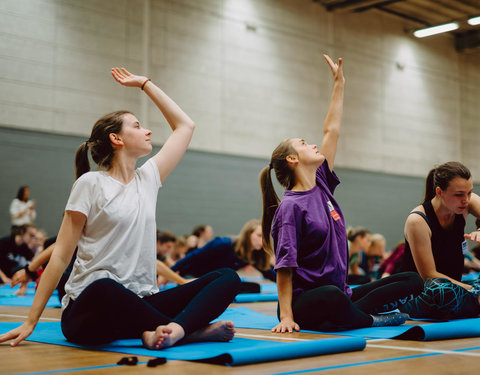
(446,244)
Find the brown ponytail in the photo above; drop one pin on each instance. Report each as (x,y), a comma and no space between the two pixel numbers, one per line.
(285,176)
(441,177)
(82,165)
(99,144)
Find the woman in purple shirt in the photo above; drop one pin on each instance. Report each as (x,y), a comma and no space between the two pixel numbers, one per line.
(310,240)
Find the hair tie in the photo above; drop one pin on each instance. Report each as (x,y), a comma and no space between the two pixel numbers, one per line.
(144,83)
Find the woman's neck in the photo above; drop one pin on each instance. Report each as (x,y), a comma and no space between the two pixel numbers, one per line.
(122,169)
(304,178)
(445,216)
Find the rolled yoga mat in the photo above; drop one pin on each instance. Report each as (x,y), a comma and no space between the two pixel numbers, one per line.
(239,351)
(245,318)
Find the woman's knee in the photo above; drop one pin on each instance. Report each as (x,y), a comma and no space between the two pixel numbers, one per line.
(229,275)
(325,295)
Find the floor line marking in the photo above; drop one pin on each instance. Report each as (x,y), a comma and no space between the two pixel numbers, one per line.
(271,337)
(25,317)
(425,350)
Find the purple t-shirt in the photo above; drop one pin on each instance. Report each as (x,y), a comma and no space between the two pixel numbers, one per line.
(309,235)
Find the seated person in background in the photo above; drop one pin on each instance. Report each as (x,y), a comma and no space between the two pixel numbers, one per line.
(359,240)
(38,242)
(180,249)
(201,234)
(15,251)
(394,261)
(375,256)
(434,233)
(234,253)
(165,245)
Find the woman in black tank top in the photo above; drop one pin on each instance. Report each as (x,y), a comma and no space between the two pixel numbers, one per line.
(435,238)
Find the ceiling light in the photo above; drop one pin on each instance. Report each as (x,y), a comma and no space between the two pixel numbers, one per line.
(474,21)
(436,30)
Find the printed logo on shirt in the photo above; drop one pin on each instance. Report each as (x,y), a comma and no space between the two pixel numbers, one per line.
(334,213)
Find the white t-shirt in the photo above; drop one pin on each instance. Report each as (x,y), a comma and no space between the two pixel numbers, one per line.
(119,237)
(18,206)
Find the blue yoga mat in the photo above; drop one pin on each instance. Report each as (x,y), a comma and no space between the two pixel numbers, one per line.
(246,318)
(27,301)
(255,297)
(268,293)
(239,351)
(8,297)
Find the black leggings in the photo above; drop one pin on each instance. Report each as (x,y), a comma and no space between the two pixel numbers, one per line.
(328,308)
(106,311)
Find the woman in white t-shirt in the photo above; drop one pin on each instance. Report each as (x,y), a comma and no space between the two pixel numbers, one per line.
(22,208)
(110,215)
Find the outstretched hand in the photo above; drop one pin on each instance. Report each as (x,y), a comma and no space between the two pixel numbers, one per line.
(336,69)
(124,77)
(18,334)
(474,236)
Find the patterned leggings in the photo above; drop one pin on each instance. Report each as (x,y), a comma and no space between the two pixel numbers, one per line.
(441,299)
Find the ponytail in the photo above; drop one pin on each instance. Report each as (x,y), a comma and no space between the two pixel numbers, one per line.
(270,205)
(286,176)
(82,164)
(441,177)
(429,188)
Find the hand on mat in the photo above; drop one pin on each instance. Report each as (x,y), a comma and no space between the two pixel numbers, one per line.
(474,236)
(124,77)
(286,325)
(337,70)
(19,277)
(18,334)
(22,290)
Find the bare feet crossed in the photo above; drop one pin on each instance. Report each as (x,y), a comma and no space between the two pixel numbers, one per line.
(163,336)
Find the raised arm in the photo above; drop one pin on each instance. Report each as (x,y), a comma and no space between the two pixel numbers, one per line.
(176,144)
(418,235)
(70,230)
(333,121)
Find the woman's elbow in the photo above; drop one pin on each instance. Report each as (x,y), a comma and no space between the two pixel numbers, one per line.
(190,125)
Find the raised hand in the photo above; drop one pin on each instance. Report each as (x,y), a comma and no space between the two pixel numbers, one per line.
(336,69)
(124,77)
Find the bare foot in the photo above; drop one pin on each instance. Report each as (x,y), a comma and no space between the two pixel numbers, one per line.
(219,331)
(163,336)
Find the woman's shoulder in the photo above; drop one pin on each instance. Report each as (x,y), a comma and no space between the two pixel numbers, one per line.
(89,178)
(290,202)
(415,214)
